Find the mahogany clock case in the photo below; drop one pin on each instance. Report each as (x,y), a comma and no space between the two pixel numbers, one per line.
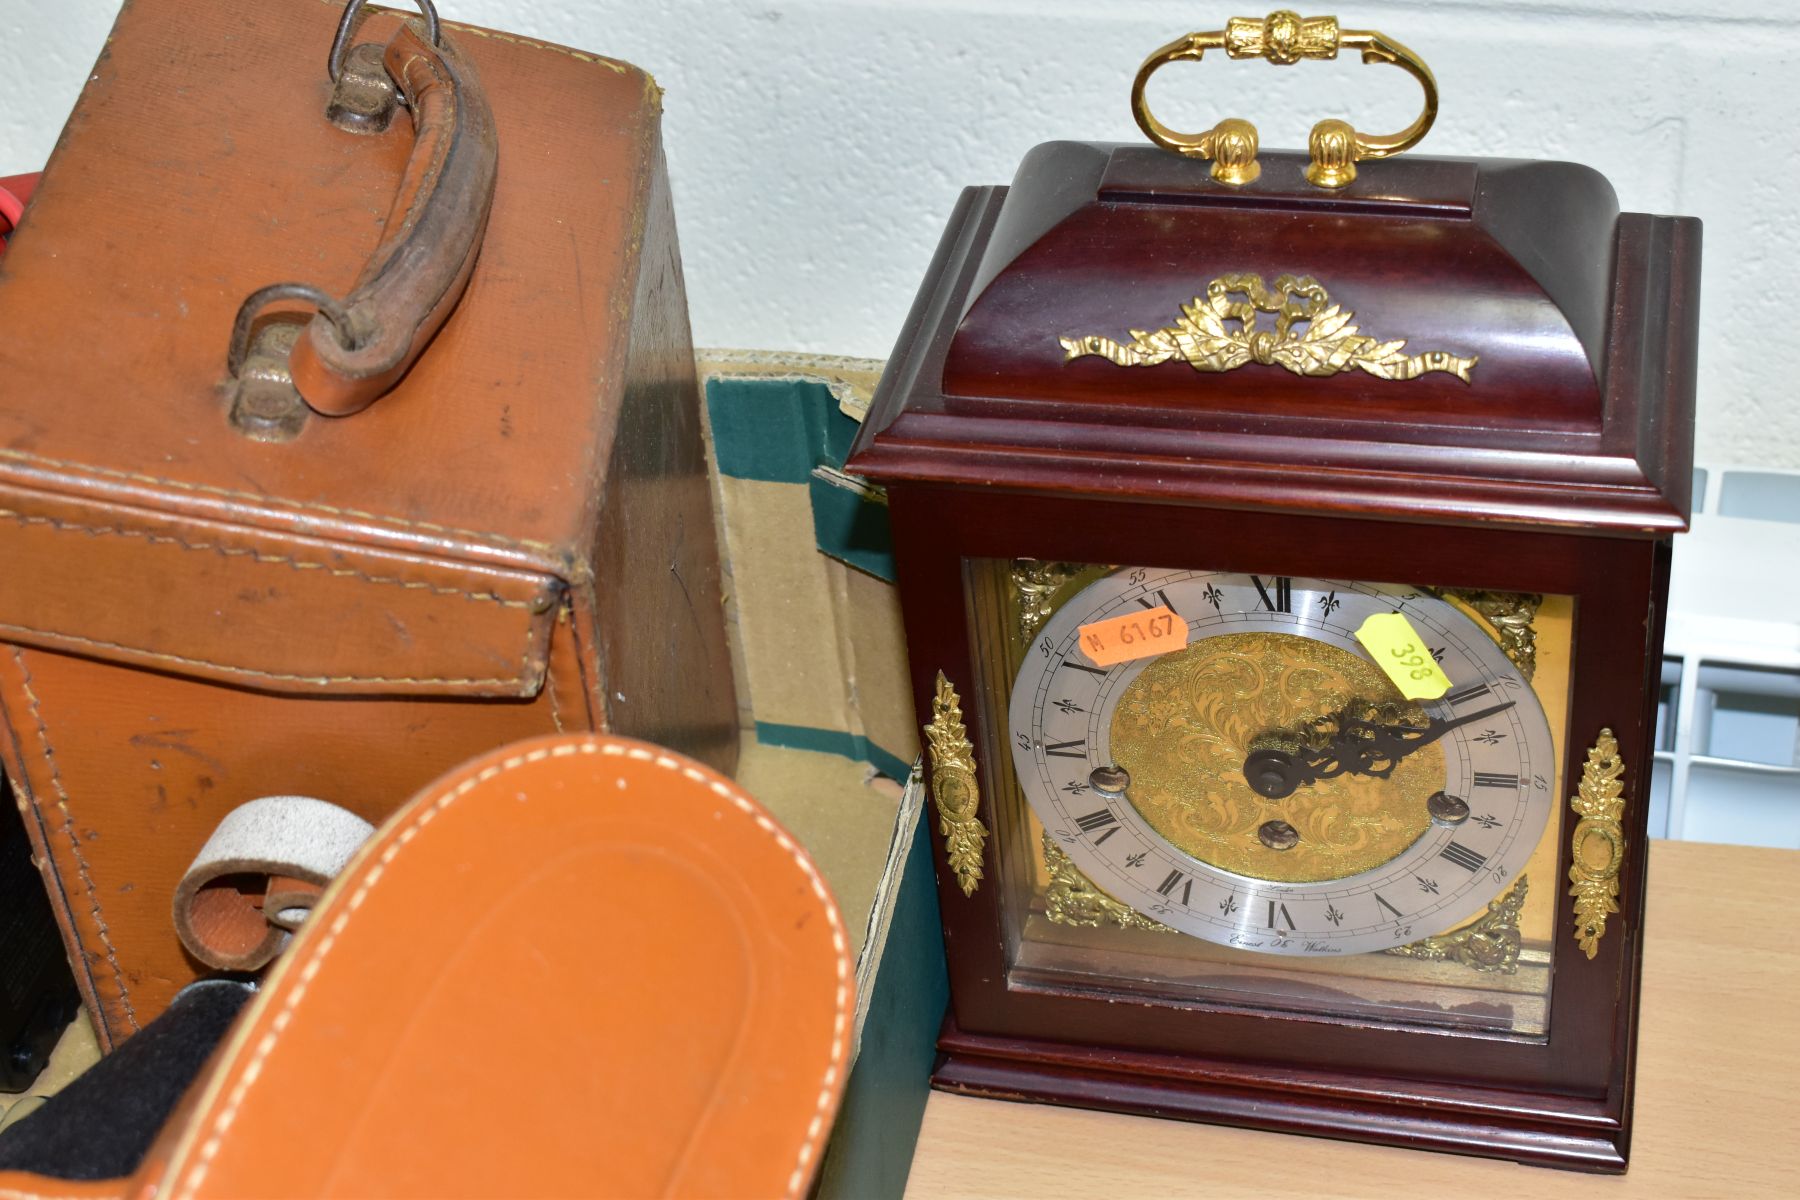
(1569,482)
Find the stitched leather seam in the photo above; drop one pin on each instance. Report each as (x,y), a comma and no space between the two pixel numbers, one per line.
(52,874)
(256,556)
(402,227)
(423,817)
(255,674)
(549,672)
(593,699)
(611,64)
(550,686)
(276,501)
(68,828)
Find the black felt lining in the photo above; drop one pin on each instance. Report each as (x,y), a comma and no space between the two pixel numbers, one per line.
(101,1125)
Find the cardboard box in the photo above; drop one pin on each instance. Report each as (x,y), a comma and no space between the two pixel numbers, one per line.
(824,694)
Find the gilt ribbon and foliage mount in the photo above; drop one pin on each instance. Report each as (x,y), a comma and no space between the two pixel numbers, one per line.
(1312,336)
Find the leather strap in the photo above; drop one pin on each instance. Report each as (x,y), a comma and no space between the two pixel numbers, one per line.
(258,876)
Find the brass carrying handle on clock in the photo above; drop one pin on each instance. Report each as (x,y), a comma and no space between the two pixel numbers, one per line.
(1284,38)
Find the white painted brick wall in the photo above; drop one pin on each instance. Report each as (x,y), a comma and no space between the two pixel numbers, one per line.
(817,145)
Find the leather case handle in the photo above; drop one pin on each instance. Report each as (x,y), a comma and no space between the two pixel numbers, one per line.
(355,351)
(434,230)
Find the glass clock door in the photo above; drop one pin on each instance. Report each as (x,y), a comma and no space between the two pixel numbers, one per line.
(1215,789)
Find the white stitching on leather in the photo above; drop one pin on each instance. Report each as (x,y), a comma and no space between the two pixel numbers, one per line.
(550,687)
(261,499)
(253,1070)
(68,827)
(293,562)
(562,618)
(526,678)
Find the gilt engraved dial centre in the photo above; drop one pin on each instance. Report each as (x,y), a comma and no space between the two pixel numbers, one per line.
(1185,726)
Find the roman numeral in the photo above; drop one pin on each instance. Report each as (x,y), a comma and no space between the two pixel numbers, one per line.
(1467,694)
(1072,749)
(1100,671)
(1167,887)
(1157,599)
(1283,599)
(1495,780)
(1275,908)
(1379,899)
(1099,820)
(1463,857)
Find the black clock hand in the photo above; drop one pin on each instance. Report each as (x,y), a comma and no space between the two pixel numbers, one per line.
(1404,738)
(1360,748)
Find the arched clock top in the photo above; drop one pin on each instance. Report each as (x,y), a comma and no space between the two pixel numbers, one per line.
(1457,340)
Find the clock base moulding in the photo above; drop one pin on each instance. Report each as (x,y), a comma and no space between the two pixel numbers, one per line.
(1534,1129)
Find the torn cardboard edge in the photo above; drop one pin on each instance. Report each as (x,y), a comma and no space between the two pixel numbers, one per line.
(881,915)
(851,381)
(903,989)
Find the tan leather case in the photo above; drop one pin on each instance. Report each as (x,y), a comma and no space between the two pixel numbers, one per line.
(516,540)
(647,992)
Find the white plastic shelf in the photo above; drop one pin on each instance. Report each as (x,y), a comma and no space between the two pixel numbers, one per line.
(1727,762)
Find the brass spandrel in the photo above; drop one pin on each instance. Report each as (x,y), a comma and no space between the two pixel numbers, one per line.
(1035,585)
(1183,727)
(1072,899)
(1513,618)
(1490,943)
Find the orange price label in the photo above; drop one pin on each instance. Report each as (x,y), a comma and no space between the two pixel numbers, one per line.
(1398,650)
(1133,635)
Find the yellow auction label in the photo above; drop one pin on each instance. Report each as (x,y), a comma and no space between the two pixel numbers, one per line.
(1399,651)
(1134,635)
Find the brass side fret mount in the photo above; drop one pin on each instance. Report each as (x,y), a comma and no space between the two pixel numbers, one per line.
(1597,849)
(953,787)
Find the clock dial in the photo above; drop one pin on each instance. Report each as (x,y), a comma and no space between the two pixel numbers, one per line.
(1266,786)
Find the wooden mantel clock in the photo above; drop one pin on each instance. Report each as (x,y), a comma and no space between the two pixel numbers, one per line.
(1283,542)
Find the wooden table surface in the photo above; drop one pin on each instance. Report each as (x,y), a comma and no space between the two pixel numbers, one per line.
(1718,1093)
